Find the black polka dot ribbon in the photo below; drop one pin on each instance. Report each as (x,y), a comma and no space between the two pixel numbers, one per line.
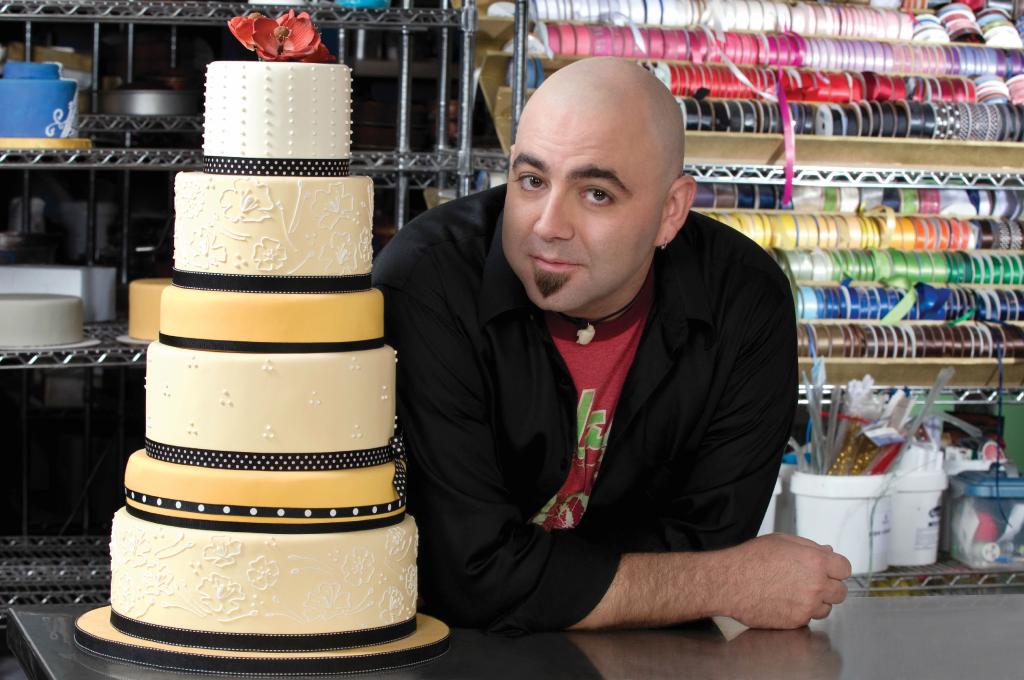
(274,462)
(283,167)
(262,518)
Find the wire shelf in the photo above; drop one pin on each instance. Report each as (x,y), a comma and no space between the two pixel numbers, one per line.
(951,396)
(109,352)
(947,577)
(100,159)
(98,123)
(371,163)
(192,12)
(495,160)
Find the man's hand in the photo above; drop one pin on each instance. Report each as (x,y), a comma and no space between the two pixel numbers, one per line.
(781,581)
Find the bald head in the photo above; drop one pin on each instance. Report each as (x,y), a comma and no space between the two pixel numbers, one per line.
(595,183)
(623,98)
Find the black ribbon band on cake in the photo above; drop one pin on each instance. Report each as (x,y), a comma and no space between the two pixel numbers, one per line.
(258,665)
(269,347)
(250,642)
(276,462)
(281,167)
(251,283)
(362,524)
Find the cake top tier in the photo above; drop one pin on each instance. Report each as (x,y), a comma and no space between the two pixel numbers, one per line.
(277,110)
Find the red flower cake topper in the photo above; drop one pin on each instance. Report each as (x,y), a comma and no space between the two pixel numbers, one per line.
(290,38)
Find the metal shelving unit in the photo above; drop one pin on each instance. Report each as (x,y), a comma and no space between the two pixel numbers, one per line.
(53,570)
(406,20)
(194,12)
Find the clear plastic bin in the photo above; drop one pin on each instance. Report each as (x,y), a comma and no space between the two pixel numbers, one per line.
(988,520)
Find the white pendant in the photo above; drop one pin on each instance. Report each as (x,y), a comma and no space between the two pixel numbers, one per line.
(585,335)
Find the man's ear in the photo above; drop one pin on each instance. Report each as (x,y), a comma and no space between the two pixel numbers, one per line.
(681,194)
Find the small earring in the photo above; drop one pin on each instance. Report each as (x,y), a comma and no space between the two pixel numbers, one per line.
(663,246)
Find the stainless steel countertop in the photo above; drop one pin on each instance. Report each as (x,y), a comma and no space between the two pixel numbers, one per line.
(959,637)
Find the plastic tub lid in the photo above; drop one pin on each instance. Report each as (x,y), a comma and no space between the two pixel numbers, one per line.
(840,486)
(983,485)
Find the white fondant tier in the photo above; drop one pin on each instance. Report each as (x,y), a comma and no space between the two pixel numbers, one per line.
(277,226)
(237,582)
(267,403)
(277,110)
(39,320)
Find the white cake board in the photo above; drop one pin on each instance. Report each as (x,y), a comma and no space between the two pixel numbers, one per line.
(84,344)
(129,340)
(94,634)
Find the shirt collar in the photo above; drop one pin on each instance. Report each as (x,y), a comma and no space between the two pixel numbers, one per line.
(500,290)
(680,293)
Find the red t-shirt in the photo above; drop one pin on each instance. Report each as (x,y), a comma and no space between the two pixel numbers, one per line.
(598,370)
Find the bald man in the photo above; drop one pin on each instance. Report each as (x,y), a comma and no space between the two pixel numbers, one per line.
(596,385)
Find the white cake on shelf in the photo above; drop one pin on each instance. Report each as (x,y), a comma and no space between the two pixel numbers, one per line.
(264,527)
(39,320)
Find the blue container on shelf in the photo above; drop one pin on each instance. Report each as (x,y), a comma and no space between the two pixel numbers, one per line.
(365,4)
(37,101)
(988,519)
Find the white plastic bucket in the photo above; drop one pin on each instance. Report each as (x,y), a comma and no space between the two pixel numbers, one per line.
(838,511)
(785,511)
(916,515)
(768,523)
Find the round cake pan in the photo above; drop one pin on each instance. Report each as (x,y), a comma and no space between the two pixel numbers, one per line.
(150,102)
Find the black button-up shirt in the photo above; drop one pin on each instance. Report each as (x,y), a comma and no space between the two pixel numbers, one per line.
(488,411)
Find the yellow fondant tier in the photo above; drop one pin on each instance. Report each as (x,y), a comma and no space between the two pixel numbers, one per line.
(254,496)
(270,403)
(291,584)
(272,317)
(144,307)
(272,226)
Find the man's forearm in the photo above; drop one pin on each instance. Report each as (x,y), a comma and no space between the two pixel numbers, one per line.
(660,589)
(774,581)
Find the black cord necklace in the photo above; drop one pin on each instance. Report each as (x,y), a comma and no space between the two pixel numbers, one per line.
(585,327)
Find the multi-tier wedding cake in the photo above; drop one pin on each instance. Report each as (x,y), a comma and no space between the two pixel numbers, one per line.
(264,527)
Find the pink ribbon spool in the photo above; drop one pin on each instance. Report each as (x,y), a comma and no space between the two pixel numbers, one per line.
(554,38)
(655,43)
(568,39)
(699,47)
(583,46)
(672,40)
(601,41)
(622,42)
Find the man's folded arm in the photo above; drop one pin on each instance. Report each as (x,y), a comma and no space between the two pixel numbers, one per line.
(482,564)
(717,495)
(722,497)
